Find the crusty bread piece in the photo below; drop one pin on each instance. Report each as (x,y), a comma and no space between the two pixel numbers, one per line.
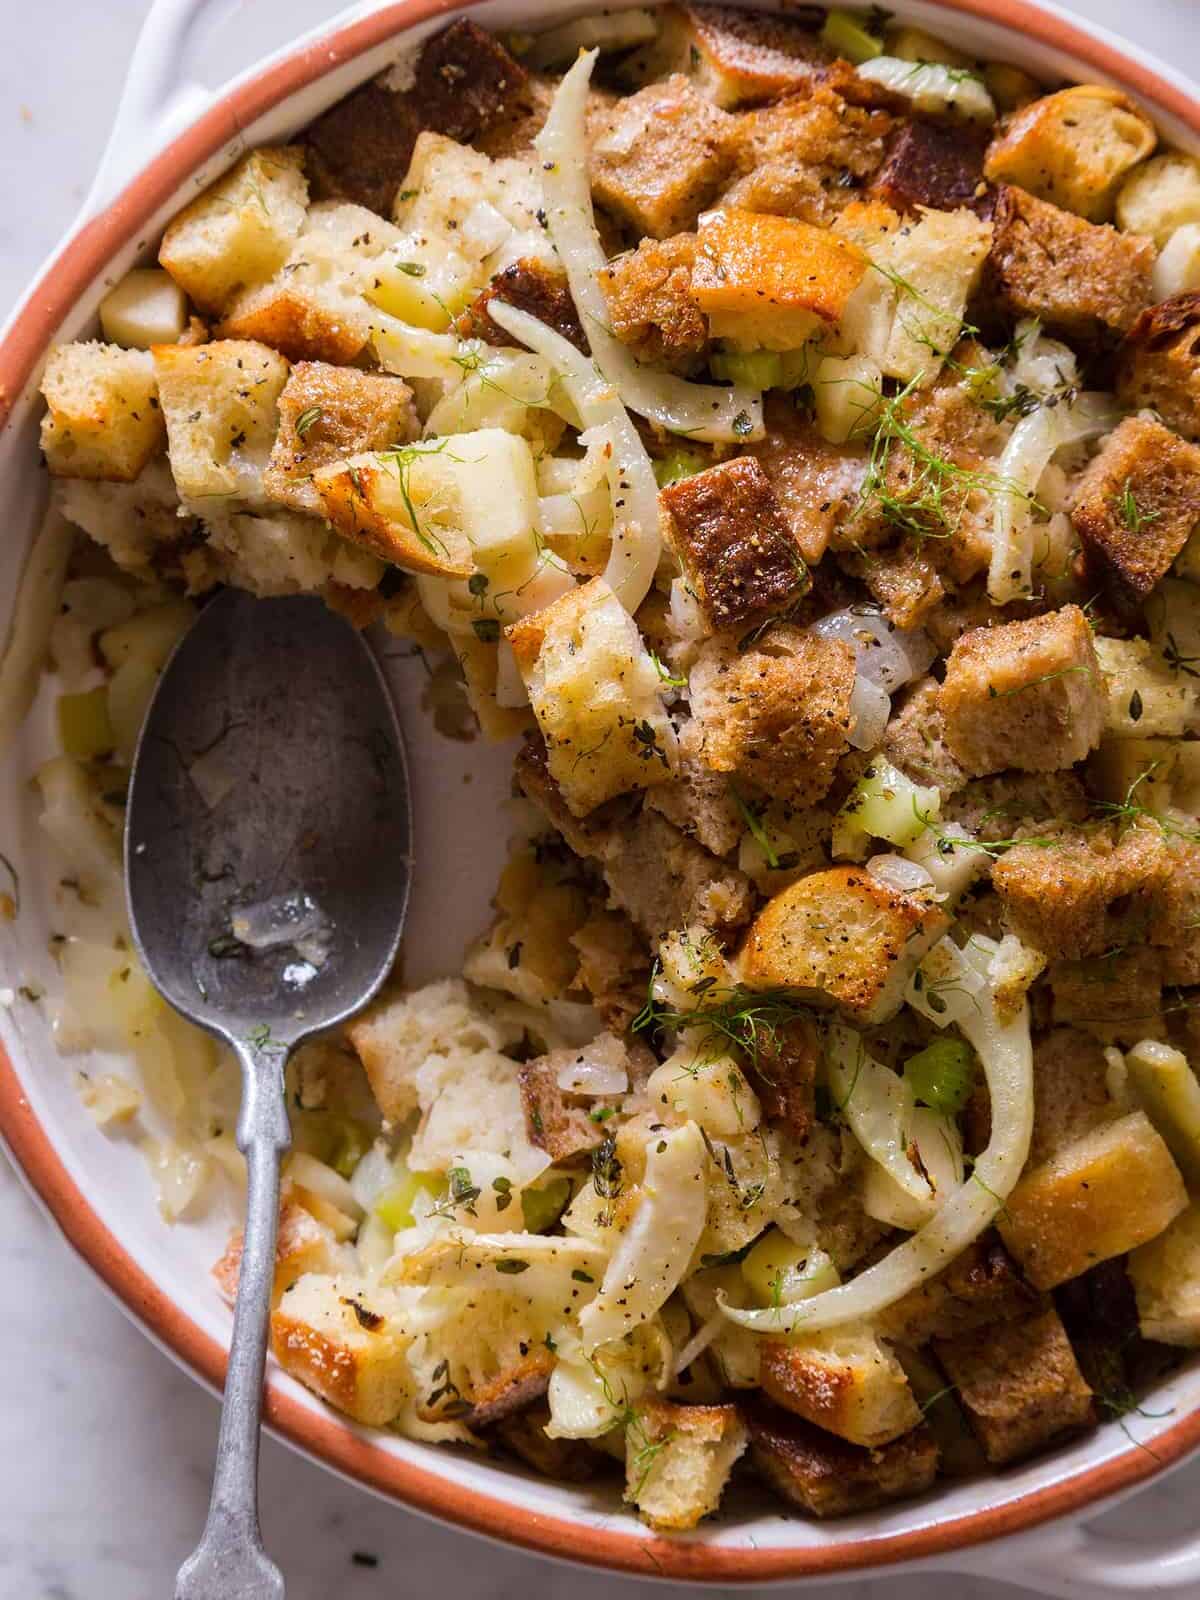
(560,1460)
(1159,363)
(1137,501)
(827,1477)
(1070,1091)
(818,485)
(733,57)
(344,1339)
(531,286)
(1175,922)
(806,156)
(663,157)
(1160,195)
(843,1380)
(678,1459)
(1087,891)
(103,419)
(1166,1280)
(220,405)
(390,503)
(1081,279)
(915,739)
(1024,694)
(302,1245)
(1019,1384)
(596,695)
(979,1288)
(928,165)
(1106,1193)
(841,938)
(240,230)
(1115,997)
(1073,147)
(650,304)
(327,413)
(736,550)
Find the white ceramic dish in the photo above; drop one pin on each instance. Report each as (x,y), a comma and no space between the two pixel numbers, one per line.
(171,137)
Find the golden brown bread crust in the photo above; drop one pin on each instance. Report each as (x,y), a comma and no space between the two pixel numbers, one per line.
(556,1122)
(928,165)
(808,155)
(1137,502)
(297,323)
(1175,918)
(1116,997)
(650,305)
(512,1391)
(826,1476)
(1019,1384)
(979,1287)
(817,484)
(1081,279)
(726,527)
(784,1074)
(530,286)
(1159,363)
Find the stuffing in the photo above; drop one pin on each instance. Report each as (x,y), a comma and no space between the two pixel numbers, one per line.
(663,156)
(903,582)
(733,57)
(614,965)
(1166,1280)
(663,880)
(825,1476)
(650,304)
(1024,694)
(807,156)
(775,715)
(280,553)
(1105,1193)
(1158,365)
(678,1459)
(1160,196)
(1073,148)
(841,938)
(784,1075)
(1175,915)
(302,1245)
(729,533)
(1137,501)
(1085,281)
(1117,997)
(103,419)
(935,263)
(1070,1091)
(345,1339)
(771,282)
(928,165)
(699,801)
(1019,1384)
(137,523)
(325,414)
(818,485)
(531,286)
(1144,697)
(844,1380)
(556,1120)
(527,952)
(915,740)
(220,404)
(1084,892)
(240,230)
(979,1288)
(596,695)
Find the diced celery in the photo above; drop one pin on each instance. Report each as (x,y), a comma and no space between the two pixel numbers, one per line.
(544,1204)
(351,1144)
(757,369)
(83,724)
(845,33)
(780,1272)
(942,1075)
(883,804)
(394,1205)
(678,464)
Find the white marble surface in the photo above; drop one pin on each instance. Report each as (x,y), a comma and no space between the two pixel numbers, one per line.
(104,1445)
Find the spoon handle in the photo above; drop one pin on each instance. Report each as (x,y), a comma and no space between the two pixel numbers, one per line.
(230,1563)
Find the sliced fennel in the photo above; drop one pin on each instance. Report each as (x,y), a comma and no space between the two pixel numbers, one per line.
(878,1105)
(702,411)
(932,86)
(951,986)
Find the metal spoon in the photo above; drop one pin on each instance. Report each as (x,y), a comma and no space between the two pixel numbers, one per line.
(269,782)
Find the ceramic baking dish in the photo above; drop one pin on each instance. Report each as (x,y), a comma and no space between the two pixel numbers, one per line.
(171,138)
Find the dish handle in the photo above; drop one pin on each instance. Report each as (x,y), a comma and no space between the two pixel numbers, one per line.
(1072,1561)
(157,101)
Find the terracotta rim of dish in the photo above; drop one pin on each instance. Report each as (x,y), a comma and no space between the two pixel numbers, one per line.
(321,1433)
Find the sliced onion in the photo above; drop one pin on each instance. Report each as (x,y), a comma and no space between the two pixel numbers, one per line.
(870,709)
(887,655)
(961,985)
(636,537)
(684,616)
(702,411)
(899,873)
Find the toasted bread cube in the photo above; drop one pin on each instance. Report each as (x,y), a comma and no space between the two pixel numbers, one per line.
(699,801)
(327,413)
(664,155)
(665,880)
(928,165)
(1143,696)
(1024,694)
(596,695)
(776,714)
(344,1339)
(1116,997)
(302,1245)
(555,1120)
(733,57)
(466,82)
(843,1380)
(915,740)
(1019,1384)
(678,1460)
(1161,195)
(510,1391)
(650,304)
(1086,892)
(103,420)
(396,1033)
(1073,148)
(1137,502)
(1166,1280)
(770,282)
(818,484)
(1098,1197)
(240,230)
(827,1477)
(442,506)
(1078,278)
(1159,364)
(359,150)
(979,1288)
(842,938)
(1175,919)
(938,260)
(1070,1091)
(220,403)
(532,286)
(737,553)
